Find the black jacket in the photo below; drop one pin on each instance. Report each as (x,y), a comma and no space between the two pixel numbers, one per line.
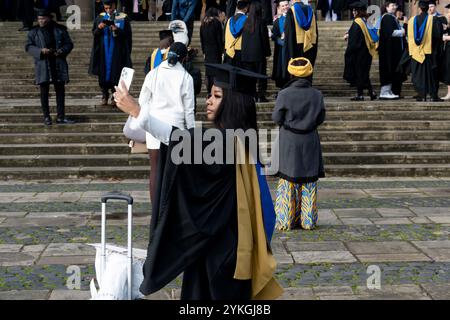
(35,42)
(212,41)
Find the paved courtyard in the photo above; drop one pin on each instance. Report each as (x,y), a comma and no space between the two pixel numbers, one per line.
(398,226)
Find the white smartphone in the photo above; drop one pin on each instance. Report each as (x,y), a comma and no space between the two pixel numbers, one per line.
(127,77)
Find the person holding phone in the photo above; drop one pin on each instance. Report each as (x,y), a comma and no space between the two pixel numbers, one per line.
(111,50)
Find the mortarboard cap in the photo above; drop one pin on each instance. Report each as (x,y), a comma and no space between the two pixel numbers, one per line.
(233,78)
(109,2)
(447,6)
(358,5)
(163,34)
(44,13)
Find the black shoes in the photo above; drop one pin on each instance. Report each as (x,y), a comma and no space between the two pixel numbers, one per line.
(373,96)
(64,121)
(437,99)
(48,121)
(357,98)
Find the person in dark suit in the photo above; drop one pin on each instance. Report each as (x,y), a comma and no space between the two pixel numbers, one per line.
(256,47)
(49,44)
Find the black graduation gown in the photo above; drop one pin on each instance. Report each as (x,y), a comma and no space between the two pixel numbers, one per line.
(277,69)
(445,74)
(291,48)
(358,59)
(425,76)
(256,44)
(121,56)
(390,50)
(194,230)
(212,41)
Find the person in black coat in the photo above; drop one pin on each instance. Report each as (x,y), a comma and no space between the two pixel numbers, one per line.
(8,10)
(111,50)
(49,44)
(212,41)
(358,58)
(295,47)
(445,73)
(278,39)
(256,47)
(390,50)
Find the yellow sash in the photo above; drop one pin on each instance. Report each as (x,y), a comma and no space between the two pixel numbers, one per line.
(254,259)
(231,43)
(372,46)
(152,59)
(308,38)
(418,52)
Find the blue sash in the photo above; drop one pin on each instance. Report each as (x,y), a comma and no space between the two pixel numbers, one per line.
(303,22)
(419,31)
(266,203)
(236,25)
(281,21)
(158,59)
(108,43)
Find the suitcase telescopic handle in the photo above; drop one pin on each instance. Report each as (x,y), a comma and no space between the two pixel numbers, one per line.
(116,195)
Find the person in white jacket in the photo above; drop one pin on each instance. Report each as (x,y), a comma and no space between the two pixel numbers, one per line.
(168,95)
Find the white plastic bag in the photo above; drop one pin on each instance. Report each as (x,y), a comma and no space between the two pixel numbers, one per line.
(113,281)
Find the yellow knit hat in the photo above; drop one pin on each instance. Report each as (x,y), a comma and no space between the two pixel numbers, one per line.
(300,71)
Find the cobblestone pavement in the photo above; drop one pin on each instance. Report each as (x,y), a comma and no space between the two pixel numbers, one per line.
(399,227)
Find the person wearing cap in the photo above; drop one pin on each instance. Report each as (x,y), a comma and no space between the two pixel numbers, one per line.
(361,48)
(301,34)
(184,10)
(278,37)
(212,221)
(168,95)
(49,44)
(445,71)
(233,34)
(425,45)
(159,54)
(298,154)
(390,49)
(256,48)
(54,6)
(212,41)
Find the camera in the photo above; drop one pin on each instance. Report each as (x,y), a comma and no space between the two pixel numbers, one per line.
(108,22)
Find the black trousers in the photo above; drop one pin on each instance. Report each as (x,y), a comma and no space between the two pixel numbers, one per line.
(106,86)
(368,87)
(26,12)
(261,68)
(190,28)
(60,97)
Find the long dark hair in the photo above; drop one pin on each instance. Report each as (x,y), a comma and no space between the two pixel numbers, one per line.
(253,17)
(211,14)
(236,111)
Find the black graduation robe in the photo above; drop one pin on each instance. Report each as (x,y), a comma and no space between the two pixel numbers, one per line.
(277,69)
(194,230)
(121,56)
(390,50)
(291,48)
(445,70)
(358,59)
(425,76)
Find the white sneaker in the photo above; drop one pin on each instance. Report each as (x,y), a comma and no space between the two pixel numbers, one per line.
(389,95)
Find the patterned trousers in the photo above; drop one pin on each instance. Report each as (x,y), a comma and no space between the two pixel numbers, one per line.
(296,205)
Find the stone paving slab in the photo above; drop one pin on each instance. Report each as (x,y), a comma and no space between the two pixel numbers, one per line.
(298,294)
(315,246)
(341,193)
(309,257)
(68,260)
(68,249)
(24,295)
(70,295)
(12,214)
(395,192)
(392,257)
(10,248)
(16,259)
(395,212)
(436,192)
(327,217)
(43,222)
(427,211)
(357,213)
(385,247)
(391,220)
(356,221)
(437,291)
(439,219)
